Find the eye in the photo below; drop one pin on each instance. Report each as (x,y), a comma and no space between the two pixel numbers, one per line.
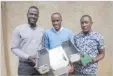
(82,22)
(86,22)
(53,20)
(30,13)
(58,20)
(33,14)
(36,14)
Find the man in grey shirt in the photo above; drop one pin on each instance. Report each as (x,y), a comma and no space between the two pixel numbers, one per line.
(26,41)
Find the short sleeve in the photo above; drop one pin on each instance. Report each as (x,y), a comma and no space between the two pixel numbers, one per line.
(100,42)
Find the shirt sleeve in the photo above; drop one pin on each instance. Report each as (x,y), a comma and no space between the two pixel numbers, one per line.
(46,41)
(42,43)
(71,36)
(15,48)
(100,42)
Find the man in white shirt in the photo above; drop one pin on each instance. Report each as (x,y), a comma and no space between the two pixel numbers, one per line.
(26,41)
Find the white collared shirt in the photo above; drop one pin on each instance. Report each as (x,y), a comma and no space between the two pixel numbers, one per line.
(59,30)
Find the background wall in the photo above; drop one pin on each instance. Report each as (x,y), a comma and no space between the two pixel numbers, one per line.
(14,14)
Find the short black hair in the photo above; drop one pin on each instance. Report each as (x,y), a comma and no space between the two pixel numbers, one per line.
(57,14)
(86,16)
(35,7)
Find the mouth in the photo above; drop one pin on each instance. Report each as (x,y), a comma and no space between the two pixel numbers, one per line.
(56,26)
(84,29)
(32,20)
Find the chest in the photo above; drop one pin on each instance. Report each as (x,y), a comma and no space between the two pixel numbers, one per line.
(31,35)
(88,42)
(58,37)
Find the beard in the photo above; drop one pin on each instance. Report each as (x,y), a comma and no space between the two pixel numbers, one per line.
(32,25)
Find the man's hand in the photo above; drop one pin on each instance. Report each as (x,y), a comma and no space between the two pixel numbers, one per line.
(85,60)
(32,58)
(100,55)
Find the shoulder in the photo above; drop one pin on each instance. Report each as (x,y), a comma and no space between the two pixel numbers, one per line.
(67,30)
(97,35)
(78,35)
(47,32)
(20,27)
(41,28)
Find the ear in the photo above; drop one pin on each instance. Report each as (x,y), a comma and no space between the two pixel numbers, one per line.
(60,19)
(91,23)
(27,14)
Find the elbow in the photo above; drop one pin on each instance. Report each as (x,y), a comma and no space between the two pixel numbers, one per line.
(103,55)
(12,49)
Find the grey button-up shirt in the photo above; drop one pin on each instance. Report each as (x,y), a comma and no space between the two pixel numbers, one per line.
(26,41)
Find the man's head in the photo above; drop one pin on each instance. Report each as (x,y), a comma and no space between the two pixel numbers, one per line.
(56,19)
(32,15)
(86,23)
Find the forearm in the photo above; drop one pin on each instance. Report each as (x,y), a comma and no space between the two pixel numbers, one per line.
(99,57)
(19,53)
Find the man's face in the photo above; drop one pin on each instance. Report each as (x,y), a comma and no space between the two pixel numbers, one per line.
(56,21)
(86,24)
(32,16)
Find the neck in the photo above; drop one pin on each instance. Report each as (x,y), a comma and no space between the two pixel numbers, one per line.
(87,32)
(57,30)
(32,25)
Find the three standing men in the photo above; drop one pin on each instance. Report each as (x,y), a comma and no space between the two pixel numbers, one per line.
(28,38)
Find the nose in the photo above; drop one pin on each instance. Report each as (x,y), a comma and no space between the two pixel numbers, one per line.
(55,22)
(84,24)
(33,16)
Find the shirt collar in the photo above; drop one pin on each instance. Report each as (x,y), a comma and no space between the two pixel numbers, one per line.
(59,30)
(89,33)
(32,28)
